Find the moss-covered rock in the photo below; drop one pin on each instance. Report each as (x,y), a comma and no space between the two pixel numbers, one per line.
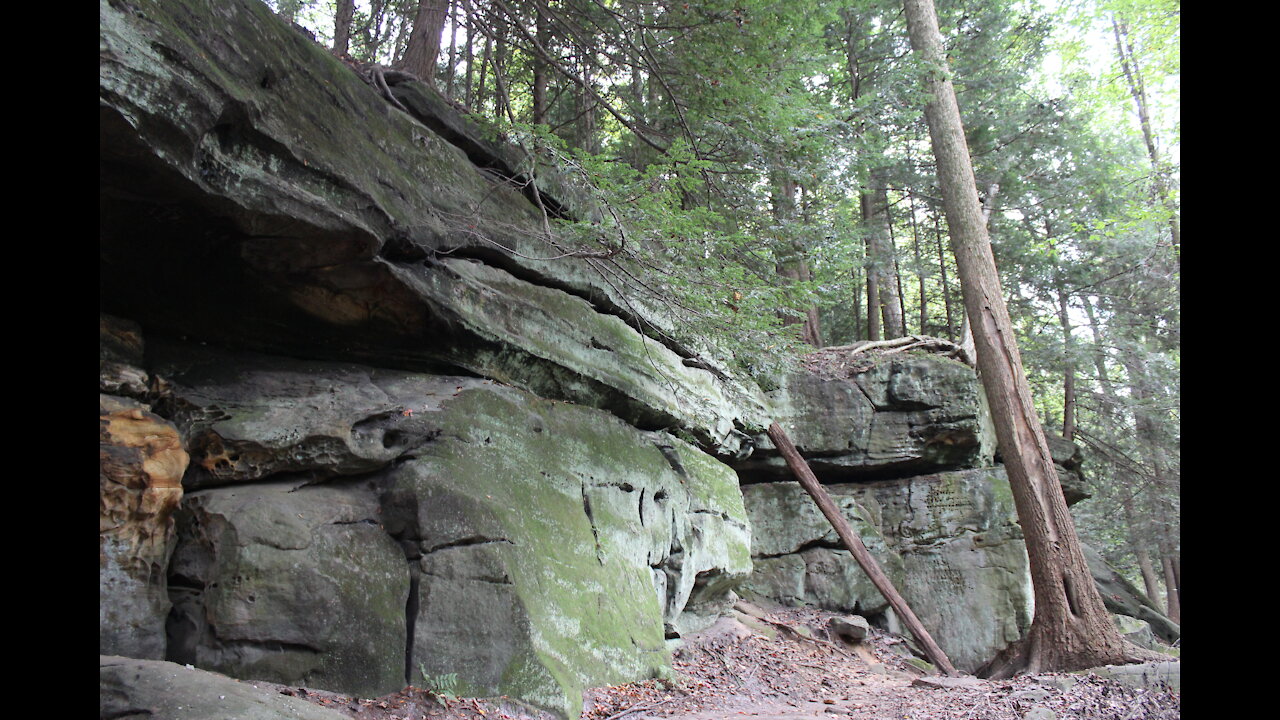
(393,525)
(573,539)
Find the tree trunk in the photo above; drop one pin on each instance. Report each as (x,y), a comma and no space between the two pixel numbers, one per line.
(873,301)
(1133,77)
(420,56)
(857,304)
(502,98)
(897,274)
(1138,525)
(451,69)
(946,285)
(915,246)
(342,26)
(1068,348)
(1137,542)
(860,553)
(791,262)
(1172,601)
(1071,629)
(469,95)
(875,213)
(540,69)
(484,73)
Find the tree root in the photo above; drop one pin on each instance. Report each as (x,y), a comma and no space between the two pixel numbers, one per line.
(1019,658)
(845,360)
(902,344)
(376,75)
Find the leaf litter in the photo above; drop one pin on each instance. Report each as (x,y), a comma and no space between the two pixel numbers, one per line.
(785,665)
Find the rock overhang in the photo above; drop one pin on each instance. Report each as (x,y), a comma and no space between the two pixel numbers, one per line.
(257,193)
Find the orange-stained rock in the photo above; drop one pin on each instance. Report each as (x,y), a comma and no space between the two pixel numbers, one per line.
(141,463)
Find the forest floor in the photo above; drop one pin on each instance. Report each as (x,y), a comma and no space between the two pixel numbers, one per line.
(781,667)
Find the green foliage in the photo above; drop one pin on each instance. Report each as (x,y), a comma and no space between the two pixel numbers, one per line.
(644,239)
(445,686)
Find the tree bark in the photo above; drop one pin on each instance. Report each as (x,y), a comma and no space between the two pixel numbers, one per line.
(804,474)
(1068,347)
(342,26)
(915,246)
(451,69)
(1071,629)
(791,260)
(875,213)
(469,52)
(857,304)
(421,54)
(540,74)
(1172,601)
(946,285)
(873,302)
(1137,542)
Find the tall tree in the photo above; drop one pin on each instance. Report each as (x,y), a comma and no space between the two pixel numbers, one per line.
(342,16)
(1133,75)
(1071,628)
(880,255)
(421,54)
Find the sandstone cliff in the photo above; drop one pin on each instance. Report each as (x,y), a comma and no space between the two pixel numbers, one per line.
(355,431)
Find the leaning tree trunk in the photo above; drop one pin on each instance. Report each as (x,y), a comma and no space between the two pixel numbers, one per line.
(1173,601)
(1071,628)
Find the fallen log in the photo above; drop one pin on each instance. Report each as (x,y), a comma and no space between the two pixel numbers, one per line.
(868,564)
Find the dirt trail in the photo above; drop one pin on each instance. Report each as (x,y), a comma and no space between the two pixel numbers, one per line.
(783,665)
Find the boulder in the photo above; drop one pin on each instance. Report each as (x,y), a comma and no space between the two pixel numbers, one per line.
(357,529)
(292,583)
(852,629)
(572,544)
(133,688)
(901,415)
(1157,675)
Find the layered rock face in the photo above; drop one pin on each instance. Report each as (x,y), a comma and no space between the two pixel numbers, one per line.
(247,173)
(949,542)
(905,448)
(357,528)
(468,475)
(358,430)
